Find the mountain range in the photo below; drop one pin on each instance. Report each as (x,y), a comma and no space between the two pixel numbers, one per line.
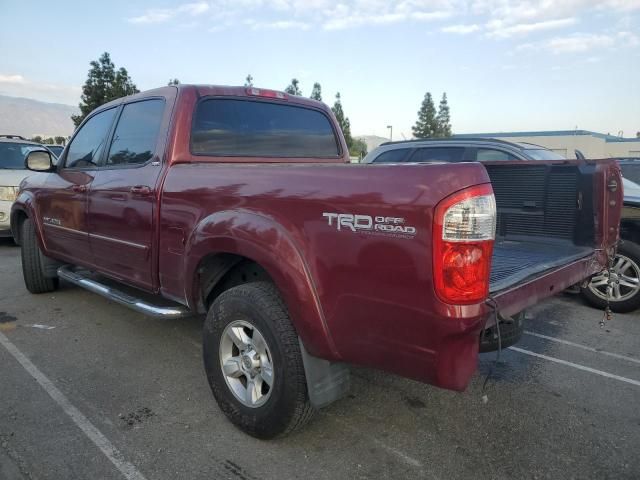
(28,117)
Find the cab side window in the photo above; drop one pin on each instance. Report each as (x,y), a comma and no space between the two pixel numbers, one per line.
(392,156)
(88,144)
(439,154)
(491,155)
(134,141)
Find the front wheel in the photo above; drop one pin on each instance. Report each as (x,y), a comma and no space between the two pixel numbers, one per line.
(253,361)
(34,261)
(625,281)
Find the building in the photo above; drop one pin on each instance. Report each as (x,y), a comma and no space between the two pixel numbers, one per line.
(565,142)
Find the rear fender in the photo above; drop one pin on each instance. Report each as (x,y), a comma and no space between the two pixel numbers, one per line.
(264,241)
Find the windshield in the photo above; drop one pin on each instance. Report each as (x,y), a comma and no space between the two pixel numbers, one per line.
(543,154)
(12,155)
(631,171)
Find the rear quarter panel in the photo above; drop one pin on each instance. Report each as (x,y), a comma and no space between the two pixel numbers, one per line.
(362,297)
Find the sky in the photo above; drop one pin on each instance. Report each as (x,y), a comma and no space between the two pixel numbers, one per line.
(506,65)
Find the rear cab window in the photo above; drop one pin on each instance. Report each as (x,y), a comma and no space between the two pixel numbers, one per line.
(250,128)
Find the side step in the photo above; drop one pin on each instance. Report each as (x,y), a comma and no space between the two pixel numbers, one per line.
(137,304)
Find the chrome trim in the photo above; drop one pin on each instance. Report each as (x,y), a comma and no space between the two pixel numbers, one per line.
(66,229)
(95,235)
(166,312)
(117,240)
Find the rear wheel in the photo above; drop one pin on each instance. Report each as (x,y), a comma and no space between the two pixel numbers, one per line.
(625,281)
(33,262)
(253,361)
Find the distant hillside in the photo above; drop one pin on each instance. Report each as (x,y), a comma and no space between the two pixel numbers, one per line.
(372,141)
(28,117)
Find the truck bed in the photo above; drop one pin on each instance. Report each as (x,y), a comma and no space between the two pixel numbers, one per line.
(515,261)
(540,223)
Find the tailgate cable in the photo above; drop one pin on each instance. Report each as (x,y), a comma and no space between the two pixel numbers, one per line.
(607,311)
(494,307)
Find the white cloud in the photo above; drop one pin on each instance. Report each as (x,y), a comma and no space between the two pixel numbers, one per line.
(583,42)
(277,25)
(152,16)
(161,15)
(12,79)
(461,29)
(293,14)
(496,30)
(494,18)
(628,39)
(19,86)
(579,42)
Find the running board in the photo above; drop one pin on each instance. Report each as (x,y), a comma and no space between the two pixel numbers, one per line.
(139,305)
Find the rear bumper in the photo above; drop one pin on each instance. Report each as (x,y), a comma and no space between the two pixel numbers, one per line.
(446,354)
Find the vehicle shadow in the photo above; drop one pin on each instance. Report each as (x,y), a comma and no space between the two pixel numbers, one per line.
(7,242)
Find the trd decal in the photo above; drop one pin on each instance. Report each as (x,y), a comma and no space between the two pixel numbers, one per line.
(51,221)
(369,224)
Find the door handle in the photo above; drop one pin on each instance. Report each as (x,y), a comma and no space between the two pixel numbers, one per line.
(141,190)
(79,188)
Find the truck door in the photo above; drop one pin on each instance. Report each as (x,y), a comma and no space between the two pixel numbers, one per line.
(63,203)
(124,193)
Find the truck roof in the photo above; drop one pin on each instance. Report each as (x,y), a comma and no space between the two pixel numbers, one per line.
(222,90)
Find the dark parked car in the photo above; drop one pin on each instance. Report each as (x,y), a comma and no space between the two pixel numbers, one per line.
(56,149)
(458,150)
(625,271)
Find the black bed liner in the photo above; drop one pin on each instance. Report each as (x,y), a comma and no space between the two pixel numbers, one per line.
(516,260)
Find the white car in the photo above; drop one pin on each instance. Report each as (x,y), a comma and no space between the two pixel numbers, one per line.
(13,151)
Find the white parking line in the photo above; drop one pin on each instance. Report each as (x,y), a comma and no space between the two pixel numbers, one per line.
(584,347)
(577,365)
(127,469)
(398,453)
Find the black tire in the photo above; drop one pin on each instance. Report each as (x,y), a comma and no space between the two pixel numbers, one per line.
(33,262)
(287,407)
(632,252)
(511,330)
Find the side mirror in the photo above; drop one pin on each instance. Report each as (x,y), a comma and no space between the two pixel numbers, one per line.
(39,161)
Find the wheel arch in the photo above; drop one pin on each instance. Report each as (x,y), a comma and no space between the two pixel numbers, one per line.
(228,241)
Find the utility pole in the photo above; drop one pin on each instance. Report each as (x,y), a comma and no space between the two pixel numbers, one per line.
(390,127)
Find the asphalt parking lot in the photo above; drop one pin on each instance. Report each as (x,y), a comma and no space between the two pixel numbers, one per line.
(89,389)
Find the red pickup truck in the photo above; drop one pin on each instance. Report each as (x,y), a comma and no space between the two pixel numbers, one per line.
(241,204)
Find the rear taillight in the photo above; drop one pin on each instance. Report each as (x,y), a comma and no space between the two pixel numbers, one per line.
(464,229)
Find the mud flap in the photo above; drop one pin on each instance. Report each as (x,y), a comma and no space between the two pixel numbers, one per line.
(326,381)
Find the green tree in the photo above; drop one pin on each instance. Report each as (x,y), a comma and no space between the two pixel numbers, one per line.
(426,125)
(104,83)
(59,140)
(343,121)
(294,88)
(443,119)
(37,139)
(358,148)
(174,81)
(248,82)
(316,93)
(47,141)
